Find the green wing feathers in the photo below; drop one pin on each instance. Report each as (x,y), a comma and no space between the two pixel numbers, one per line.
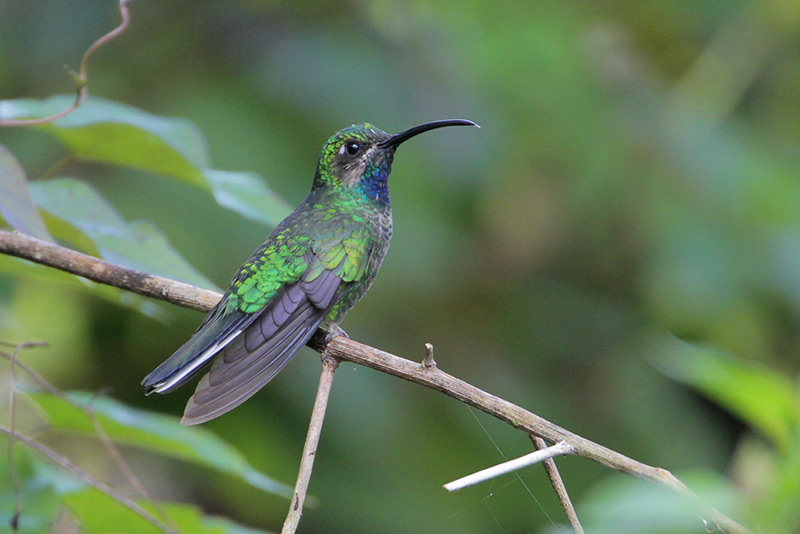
(278,262)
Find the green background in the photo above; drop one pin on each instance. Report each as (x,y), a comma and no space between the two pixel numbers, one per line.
(617,249)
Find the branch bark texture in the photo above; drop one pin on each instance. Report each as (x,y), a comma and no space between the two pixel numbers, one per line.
(22,246)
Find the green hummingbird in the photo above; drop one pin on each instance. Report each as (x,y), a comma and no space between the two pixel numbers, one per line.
(316,264)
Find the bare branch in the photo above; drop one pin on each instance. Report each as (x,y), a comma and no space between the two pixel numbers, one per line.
(343,348)
(329,365)
(81,78)
(122,464)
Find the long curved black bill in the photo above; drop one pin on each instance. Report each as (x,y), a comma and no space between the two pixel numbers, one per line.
(396,139)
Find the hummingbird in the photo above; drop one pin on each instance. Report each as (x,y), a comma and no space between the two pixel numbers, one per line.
(313,268)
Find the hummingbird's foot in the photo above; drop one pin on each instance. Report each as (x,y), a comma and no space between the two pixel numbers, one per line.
(336,331)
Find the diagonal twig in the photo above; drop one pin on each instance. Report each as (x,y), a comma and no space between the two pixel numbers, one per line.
(70,467)
(105,439)
(122,464)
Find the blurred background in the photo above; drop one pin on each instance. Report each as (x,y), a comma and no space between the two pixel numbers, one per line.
(617,249)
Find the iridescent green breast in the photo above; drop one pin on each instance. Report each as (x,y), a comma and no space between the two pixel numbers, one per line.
(379,231)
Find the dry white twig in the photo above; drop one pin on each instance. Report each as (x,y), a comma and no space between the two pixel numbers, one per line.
(559,449)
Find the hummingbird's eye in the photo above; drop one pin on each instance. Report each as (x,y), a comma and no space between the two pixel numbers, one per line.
(352,148)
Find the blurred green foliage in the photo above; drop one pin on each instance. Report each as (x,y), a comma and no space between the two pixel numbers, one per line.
(618,249)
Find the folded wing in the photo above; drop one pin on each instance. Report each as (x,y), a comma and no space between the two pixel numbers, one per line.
(251,359)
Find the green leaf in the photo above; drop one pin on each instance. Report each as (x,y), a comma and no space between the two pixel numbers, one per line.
(16,206)
(247,194)
(100,514)
(110,132)
(138,245)
(156,432)
(45,487)
(763,397)
(69,233)
(627,505)
(771,481)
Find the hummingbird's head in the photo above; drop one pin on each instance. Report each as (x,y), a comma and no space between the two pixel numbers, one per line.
(360,156)
(351,157)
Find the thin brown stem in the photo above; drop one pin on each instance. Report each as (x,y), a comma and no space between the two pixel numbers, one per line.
(82,76)
(122,464)
(340,347)
(76,471)
(559,487)
(12,403)
(99,430)
(329,365)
